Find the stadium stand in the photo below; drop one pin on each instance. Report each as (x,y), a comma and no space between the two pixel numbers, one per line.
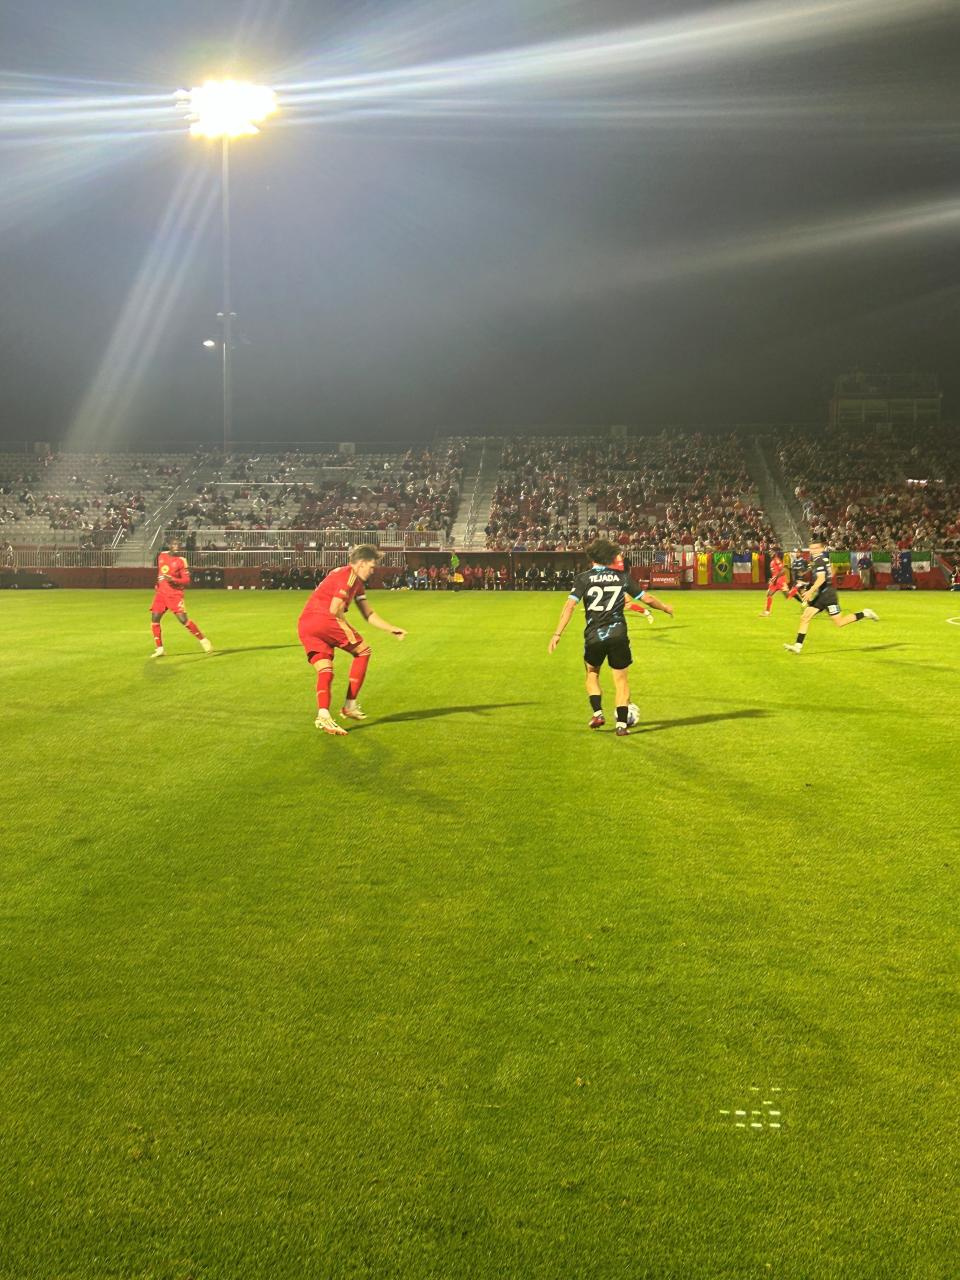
(890,491)
(665,490)
(83,499)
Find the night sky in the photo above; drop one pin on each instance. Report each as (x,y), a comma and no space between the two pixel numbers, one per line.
(577,213)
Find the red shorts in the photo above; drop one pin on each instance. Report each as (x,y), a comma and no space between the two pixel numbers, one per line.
(320,640)
(777,584)
(165,599)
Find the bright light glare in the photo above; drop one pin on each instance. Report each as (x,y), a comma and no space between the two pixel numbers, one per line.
(229,108)
(209,342)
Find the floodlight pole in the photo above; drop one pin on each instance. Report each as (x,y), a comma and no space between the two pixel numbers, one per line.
(225,280)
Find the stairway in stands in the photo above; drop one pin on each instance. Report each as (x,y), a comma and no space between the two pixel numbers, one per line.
(476,499)
(782,509)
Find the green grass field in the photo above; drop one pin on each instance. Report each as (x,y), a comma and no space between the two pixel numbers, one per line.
(474,991)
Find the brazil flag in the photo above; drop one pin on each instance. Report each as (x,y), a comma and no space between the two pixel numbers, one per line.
(723,566)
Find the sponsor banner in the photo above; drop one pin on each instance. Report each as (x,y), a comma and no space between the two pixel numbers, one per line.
(665,577)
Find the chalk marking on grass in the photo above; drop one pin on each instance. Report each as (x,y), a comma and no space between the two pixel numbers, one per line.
(774,1124)
(724,1111)
(954,621)
(757,1124)
(741,1125)
(739,1113)
(774,1113)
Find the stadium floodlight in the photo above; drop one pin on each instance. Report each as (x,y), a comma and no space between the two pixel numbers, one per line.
(223,110)
(229,108)
(209,342)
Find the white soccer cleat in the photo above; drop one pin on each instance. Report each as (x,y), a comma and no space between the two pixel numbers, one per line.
(793,648)
(764,613)
(649,616)
(158,652)
(205,645)
(326,722)
(353,713)
(868,613)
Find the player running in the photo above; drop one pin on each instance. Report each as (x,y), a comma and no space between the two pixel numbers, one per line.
(821,596)
(173,577)
(778,581)
(798,575)
(634,606)
(604,592)
(323,628)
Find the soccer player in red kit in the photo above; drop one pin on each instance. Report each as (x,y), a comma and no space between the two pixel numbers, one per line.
(778,581)
(173,576)
(323,627)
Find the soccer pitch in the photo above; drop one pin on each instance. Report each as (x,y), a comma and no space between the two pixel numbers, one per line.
(474,991)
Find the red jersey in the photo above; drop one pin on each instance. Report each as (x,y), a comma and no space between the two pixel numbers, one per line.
(776,568)
(341,584)
(172,571)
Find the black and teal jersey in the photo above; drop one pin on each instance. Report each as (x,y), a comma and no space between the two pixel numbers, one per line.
(604,593)
(821,564)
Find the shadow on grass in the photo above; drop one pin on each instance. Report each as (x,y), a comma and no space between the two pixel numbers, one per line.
(688,722)
(863,648)
(433,713)
(252,648)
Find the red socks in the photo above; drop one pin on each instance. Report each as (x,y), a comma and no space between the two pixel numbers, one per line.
(194,629)
(324,681)
(157,634)
(358,670)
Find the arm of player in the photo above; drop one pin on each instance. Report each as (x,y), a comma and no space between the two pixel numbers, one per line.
(565,615)
(812,591)
(653,602)
(369,615)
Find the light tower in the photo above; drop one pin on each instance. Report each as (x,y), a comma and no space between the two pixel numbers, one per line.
(224,110)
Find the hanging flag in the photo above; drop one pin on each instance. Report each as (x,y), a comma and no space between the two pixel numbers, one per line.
(922,561)
(881,562)
(703,569)
(723,566)
(756,567)
(901,563)
(840,560)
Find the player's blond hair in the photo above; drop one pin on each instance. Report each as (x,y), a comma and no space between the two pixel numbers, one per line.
(365,551)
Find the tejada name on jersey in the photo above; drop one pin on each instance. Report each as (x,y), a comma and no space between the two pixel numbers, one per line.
(606,575)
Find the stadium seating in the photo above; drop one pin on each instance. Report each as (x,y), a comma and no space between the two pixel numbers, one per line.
(868,492)
(665,490)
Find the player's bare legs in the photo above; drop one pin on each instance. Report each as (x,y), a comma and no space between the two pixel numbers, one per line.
(596,697)
(324,720)
(358,671)
(621,685)
(838,620)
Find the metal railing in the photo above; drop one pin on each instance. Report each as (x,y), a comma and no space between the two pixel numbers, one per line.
(48,557)
(202,540)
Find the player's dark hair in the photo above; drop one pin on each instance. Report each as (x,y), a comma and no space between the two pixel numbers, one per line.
(601,551)
(364,552)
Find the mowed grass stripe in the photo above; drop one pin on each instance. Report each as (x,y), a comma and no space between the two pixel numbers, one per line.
(466,992)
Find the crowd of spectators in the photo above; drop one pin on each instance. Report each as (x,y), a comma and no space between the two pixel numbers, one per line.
(416,491)
(663,491)
(869,491)
(91,496)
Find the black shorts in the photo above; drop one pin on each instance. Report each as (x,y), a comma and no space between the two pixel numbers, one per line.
(615,650)
(826,600)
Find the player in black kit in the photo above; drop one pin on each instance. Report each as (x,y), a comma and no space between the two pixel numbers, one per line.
(604,592)
(821,597)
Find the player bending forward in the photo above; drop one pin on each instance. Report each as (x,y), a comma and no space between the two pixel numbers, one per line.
(821,597)
(323,627)
(173,577)
(604,592)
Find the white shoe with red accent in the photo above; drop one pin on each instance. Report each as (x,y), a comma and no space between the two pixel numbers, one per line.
(326,722)
(205,645)
(352,713)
